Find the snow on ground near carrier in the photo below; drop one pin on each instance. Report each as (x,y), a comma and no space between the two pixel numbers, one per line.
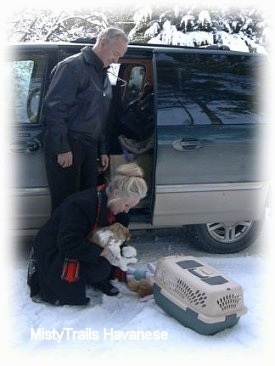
(113,328)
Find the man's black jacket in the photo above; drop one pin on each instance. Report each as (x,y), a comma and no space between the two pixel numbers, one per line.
(78,101)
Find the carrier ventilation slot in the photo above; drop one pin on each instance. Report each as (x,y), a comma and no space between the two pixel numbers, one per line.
(182,289)
(229,302)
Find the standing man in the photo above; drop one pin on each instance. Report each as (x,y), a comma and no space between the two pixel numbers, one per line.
(76,109)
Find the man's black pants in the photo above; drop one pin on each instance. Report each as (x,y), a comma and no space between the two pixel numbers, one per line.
(81,175)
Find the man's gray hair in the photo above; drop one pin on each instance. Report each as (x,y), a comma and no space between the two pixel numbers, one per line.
(111,34)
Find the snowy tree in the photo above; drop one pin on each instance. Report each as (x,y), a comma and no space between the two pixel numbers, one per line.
(46,25)
(196,26)
(161,24)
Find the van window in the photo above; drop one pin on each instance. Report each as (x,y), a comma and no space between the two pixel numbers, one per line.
(136,82)
(208,89)
(26,75)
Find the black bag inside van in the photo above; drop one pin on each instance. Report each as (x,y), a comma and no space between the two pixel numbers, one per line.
(136,120)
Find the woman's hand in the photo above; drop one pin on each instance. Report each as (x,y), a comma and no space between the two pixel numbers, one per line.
(105,252)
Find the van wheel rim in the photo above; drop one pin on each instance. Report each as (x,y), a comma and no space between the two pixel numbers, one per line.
(231,233)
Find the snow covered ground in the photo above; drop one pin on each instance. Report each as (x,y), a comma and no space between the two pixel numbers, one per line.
(88,330)
(112,328)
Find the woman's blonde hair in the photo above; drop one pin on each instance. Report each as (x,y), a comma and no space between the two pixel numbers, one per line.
(128,181)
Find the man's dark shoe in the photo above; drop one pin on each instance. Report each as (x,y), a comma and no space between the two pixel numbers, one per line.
(107,288)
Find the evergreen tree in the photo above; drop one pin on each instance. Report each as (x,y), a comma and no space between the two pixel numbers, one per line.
(175,24)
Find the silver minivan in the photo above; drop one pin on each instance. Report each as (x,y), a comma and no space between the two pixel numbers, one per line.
(199,137)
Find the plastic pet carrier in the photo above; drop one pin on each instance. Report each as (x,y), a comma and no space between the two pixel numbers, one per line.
(197,295)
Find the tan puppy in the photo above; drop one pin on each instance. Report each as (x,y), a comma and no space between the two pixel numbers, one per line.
(103,236)
(115,236)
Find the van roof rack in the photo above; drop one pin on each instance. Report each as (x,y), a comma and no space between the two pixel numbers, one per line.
(220,47)
(210,47)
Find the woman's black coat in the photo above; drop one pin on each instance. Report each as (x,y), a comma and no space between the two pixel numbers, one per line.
(65,236)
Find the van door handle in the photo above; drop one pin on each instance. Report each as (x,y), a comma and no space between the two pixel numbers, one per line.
(25,146)
(187,144)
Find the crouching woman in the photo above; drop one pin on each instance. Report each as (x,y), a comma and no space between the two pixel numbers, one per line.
(63,261)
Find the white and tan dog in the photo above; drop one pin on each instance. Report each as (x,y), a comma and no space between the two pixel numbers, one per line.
(116,237)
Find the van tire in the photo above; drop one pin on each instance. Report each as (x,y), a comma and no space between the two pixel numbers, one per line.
(225,239)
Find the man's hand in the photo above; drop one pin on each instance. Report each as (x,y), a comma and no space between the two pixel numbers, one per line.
(104,161)
(65,160)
